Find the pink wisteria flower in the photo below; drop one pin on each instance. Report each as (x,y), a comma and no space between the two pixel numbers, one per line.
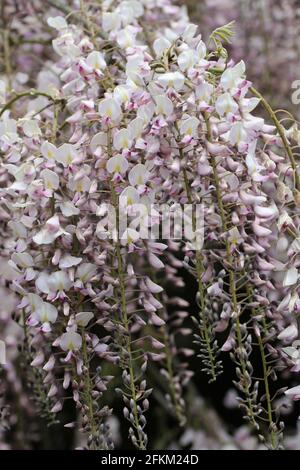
(108,148)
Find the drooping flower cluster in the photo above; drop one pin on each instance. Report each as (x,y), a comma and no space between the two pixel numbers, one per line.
(267,33)
(130,115)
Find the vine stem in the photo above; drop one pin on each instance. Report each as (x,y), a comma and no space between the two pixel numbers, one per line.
(127,328)
(37,378)
(265,378)
(232,280)
(281,132)
(267,389)
(200,271)
(170,363)
(125,319)
(232,284)
(88,391)
(30,93)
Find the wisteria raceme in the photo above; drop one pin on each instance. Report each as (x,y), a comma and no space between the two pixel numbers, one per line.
(127,124)
(267,33)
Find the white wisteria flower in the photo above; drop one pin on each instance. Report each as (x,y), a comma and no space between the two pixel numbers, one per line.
(50,232)
(110,108)
(83,318)
(117,164)
(57,22)
(71,341)
(138,175)
(96,60)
